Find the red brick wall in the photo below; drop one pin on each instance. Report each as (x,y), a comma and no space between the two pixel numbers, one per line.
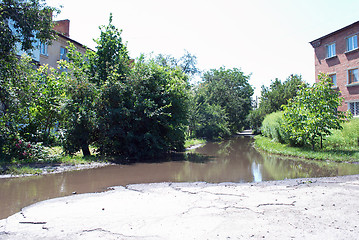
(339,64)
(63,27)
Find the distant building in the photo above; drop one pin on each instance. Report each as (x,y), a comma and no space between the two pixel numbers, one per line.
(337,55)
(51,54)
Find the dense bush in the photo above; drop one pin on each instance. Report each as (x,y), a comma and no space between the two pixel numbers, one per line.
(273,128)
(144,115)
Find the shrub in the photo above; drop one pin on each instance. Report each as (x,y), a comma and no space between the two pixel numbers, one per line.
(272,127)
(347,137)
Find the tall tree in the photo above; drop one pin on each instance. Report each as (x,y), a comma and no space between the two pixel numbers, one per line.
(111,58)
(230,89)
(312,114)
(80,106)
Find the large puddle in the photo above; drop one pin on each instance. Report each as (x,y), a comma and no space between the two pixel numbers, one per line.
(233,160)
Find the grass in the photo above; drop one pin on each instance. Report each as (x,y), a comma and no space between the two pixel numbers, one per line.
(338,154)
(55,157)
(22,170)
(193,141)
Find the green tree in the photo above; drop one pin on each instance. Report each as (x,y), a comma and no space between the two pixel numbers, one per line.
(144,115)
(229,88)
(39,93)
(24,22)
(187,63)
(111,60)
(206,120)
(312,114)
(79,110)
(36,96)
(273,98)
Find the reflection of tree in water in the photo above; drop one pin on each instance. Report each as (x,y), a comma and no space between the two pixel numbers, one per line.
(278,168)
(229,162)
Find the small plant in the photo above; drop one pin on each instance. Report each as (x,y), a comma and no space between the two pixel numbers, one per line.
(27,152)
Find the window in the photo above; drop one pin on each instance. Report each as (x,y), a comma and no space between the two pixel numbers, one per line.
(352,43)
(352,76)
(354,108)
(331,50)
(334,79)
(63,52)
(43,49)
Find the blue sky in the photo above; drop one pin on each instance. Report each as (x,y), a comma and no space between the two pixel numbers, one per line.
(265,38)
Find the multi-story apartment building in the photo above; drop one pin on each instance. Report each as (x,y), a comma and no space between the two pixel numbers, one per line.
(51,54)
(337,54)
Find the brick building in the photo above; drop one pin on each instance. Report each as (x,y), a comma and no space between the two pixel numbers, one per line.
(337,55)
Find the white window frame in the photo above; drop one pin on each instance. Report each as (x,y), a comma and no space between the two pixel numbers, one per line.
(330,50)
(63,52)
(43,49)
(357,76)
(352,43)
(354,105)
(334,80)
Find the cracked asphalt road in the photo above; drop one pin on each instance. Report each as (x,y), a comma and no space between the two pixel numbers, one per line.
(323,208)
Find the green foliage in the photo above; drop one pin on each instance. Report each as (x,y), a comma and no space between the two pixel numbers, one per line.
(79,110)
(312,114)
(30,20)
(111,60)
(273,98)
(220,104)
(347,137)
(212,122)
(33,111)
(24,101)
(273,128)
(144,115)
(187,63)
(229,88)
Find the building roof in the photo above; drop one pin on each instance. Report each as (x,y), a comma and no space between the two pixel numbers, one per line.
(316,42)
(73,41)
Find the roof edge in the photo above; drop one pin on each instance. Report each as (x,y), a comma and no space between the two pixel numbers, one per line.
(315,42)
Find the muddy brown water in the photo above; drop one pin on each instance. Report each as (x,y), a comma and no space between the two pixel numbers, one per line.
(234,160)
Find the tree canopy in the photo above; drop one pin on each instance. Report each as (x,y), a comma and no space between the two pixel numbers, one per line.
(313,114)
(221,103)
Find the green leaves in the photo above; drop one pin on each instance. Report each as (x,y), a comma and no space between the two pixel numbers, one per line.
(273,98)
(228,92)
(312,114)
(144,115)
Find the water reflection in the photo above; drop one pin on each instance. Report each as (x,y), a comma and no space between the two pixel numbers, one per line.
(233,160)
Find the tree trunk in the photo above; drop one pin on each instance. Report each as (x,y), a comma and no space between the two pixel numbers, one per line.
(321,142)
(86,150)
(313,144)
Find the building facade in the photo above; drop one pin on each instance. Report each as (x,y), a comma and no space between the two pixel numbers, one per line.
(51,54)
(337,54)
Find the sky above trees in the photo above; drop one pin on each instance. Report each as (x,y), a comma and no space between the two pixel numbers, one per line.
(268,39)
